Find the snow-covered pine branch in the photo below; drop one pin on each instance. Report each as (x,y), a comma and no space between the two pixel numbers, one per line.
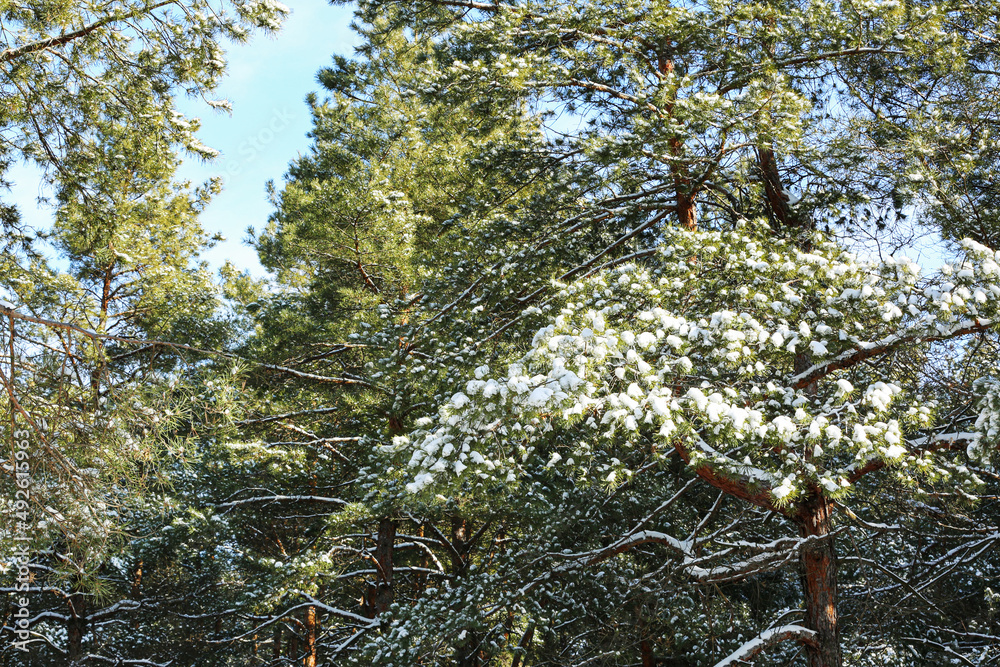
(696,350)
(767,639)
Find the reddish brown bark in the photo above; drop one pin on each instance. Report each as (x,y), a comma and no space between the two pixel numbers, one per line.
(804,379)
(137,581)
(777,198)
(523,645)
(687,216)
(818,563)
(759,497)
(774,192)
(137,589)
(818,559)
(684,191)
(420,579)
(459,538)
(311,625)
(646,651)
(819,581)
(384,542)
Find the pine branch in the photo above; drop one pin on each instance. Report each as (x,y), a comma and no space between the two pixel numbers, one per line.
(43,44)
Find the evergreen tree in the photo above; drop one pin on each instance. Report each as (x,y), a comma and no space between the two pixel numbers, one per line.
(563,360)
(90,365)
(88,94)
(738,122)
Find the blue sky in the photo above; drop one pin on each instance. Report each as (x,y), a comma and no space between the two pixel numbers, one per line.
(267,82)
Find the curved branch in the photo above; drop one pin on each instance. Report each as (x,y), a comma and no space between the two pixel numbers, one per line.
(94,335)
(10,54)
(766,640)
(734,487)
(952,441)
(851,358)
(285,499)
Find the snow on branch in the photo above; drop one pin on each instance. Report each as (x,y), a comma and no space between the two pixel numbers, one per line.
(700,351)
(766,640)
(358,621)
(922,445)
(9,310)
(67,37)
(282,499)
(851,358)
(770,557)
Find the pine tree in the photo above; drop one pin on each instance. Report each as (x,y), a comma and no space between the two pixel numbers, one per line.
(88,94)
(91,365)
(739,123)
(360,222)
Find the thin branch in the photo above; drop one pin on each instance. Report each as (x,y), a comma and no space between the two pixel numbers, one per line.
(66,38)
(766,640)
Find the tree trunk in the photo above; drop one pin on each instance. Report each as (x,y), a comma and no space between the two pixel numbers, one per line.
(98,373)
(137,581)
(311,627)
(293,646)
(819,582)
(684,192)
(75,627)
(420,578)
(461,533)
(523,645)
(687,214)
(777,199)
(470,653)
(137,590)
(646,651)
(819,565)
(385,541)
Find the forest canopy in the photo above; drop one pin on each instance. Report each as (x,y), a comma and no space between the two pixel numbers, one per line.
(590,335)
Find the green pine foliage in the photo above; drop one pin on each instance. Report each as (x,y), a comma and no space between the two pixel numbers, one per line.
(633,119)
(93,377)
(562,359)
